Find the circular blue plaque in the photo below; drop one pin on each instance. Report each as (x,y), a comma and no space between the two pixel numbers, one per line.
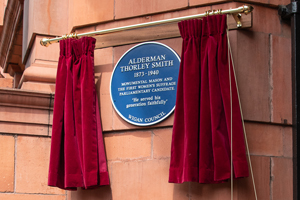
(144,83)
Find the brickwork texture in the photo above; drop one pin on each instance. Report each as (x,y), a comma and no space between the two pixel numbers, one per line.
(138,158)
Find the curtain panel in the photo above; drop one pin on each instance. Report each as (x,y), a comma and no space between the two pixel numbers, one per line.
(77,157)
(200,150)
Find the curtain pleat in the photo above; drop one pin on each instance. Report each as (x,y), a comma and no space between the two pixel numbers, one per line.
(77,157)
(200,150)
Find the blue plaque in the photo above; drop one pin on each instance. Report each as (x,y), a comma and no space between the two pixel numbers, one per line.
(144,83)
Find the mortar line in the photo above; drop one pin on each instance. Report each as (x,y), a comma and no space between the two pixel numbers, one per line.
(271,180)
(49,112)
(271,78)
(114,9)
(152,138)
(112,110)
(15,162)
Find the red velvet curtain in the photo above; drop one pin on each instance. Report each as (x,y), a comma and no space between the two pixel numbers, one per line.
(77,157)
(200,149)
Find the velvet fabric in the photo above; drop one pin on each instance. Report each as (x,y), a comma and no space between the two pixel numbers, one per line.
(77,157)
(200,150)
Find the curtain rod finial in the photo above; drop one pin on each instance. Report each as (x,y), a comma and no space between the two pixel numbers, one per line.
(45,42)
(248,9)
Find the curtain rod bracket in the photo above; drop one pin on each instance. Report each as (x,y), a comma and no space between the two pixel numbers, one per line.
(237,18)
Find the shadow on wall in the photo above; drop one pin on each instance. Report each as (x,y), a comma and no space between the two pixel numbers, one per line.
(103,192)
(242,189)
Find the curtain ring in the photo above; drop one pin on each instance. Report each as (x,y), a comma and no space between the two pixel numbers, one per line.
(219,11)
(207,12)
(73,35)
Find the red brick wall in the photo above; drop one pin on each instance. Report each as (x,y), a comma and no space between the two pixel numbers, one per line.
(138,158)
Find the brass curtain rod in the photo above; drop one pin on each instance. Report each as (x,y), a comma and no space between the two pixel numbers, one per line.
(243,9)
